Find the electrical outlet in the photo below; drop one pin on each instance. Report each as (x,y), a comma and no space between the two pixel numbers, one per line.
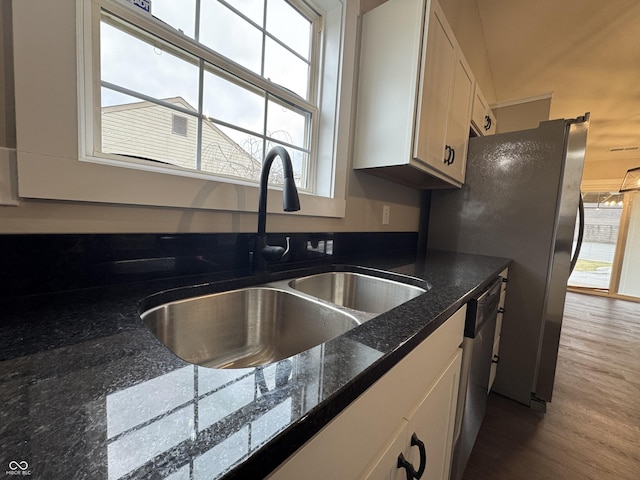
(386,212)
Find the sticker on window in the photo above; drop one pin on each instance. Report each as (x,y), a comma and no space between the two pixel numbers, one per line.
(141,4)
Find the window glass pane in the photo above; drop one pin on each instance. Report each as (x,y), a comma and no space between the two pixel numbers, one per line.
(230,152)
(630,272)
(289,26)
(602,212)
(142,72)
(158,73)
(230,35)
(232,103)
(299,161)
(286,124)
(180,15)
(253,9)
(111,97)
(284,68)
(147,130)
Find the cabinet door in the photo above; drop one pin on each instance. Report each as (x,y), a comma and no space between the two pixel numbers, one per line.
(482,117)
(385,464)
(495,358)
(437,73)
(457,140)
(432,421)
(387,83)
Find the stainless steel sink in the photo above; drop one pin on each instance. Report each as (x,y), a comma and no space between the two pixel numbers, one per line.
(245,328)
(357,291)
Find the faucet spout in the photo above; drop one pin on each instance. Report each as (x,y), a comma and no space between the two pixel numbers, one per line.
(264,253)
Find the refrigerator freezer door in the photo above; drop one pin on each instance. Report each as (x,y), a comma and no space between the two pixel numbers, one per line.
(569,199)
(508,207)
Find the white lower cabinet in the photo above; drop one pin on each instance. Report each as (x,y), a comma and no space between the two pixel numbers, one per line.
(384,465)
(417,396)
(424,438)
(432,423)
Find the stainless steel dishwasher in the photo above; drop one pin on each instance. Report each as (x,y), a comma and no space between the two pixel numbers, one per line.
(477,349)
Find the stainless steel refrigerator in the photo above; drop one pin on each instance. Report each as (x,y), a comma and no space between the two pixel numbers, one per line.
(520,200)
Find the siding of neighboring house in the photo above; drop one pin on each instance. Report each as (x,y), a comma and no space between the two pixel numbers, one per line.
(147,130)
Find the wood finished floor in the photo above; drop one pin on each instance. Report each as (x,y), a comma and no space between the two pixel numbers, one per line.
(591,430)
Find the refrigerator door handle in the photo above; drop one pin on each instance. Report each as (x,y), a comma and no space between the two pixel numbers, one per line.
(574,260)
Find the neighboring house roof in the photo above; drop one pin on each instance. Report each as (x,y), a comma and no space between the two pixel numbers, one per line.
(151,131)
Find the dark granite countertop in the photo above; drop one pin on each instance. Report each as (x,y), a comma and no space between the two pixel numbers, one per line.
(88,392)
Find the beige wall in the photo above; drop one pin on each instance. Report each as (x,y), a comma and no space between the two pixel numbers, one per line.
(522,115)
(606,175)
(464,18)
(7,107)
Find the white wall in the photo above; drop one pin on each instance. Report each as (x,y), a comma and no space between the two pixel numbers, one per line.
(514,116)
(630,272)
(464,18)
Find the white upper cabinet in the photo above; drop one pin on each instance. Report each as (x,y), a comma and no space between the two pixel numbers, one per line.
(482,119)
(414,96)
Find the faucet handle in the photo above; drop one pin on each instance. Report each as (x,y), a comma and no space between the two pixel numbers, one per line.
(287,250)
(276,253)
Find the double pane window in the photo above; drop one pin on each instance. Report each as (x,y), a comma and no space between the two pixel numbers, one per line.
(210,85)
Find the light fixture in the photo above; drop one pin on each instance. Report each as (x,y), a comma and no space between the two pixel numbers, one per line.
(631,180)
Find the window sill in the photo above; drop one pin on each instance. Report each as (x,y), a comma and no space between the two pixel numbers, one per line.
(82,181)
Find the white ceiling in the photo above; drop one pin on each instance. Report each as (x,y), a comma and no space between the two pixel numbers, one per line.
(585,52)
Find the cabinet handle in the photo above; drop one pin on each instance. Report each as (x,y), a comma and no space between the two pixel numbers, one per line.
(447,150)
(411,472)
(495,359)
(451,154)
(487,124)
(501,310)
(416,442)
(404,463)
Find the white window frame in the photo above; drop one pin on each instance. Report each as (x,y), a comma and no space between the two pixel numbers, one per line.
(54,82)
(145,22)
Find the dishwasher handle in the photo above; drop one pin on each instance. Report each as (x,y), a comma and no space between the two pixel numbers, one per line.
(486,308)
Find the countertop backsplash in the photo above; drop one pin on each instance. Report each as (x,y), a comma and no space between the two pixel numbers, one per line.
(44,263)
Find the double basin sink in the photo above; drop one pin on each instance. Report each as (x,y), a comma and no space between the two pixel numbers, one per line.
(265,323)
